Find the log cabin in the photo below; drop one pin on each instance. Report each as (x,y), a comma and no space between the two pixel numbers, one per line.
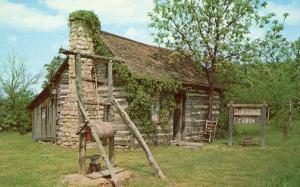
(54,111)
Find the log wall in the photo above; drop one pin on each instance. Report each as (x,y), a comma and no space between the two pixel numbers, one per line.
(196,112)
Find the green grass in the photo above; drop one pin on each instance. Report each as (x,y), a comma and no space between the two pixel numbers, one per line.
(24,162)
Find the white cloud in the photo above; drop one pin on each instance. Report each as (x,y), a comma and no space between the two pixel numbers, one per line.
(12,39)
(139,35)
(21,17)
(117,12)
(292,9)
(120,12)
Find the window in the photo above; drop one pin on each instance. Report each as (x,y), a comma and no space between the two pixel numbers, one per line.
(43,113)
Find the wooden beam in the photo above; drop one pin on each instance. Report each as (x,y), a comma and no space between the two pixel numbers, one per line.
(82,152)
(82,137)
(110,89)
(78,79)
(230,123)
(183,111)
(104,173)
(110,80)
(111,150)
(177,119)
(246,105)
(139,138)
(90,56)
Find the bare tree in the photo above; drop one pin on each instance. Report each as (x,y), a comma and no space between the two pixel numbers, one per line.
(16,83)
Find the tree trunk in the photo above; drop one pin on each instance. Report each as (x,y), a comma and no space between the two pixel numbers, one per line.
(210,72)
(210,102)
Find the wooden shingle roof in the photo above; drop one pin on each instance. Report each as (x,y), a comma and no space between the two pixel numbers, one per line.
(156,62)
(144,60)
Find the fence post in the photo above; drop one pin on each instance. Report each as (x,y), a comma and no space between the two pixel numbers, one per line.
(230,122)
(263,126)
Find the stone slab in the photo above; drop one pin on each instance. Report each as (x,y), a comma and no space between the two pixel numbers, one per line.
(82,181)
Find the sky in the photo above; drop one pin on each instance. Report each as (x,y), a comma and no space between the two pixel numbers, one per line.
(36,29)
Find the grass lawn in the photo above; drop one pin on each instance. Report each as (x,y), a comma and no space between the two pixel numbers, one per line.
(24,162)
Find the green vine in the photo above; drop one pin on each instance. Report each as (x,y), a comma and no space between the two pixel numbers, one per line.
(142,93)
(90,22)
(145,93)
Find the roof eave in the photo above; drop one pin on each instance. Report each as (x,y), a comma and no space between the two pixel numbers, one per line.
(46,91)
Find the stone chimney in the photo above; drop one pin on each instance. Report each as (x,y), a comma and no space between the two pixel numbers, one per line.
(79,41)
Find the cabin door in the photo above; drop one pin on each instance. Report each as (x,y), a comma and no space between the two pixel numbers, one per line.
(48,119)
(179,117)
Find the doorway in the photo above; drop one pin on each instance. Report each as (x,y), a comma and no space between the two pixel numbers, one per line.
(179,117)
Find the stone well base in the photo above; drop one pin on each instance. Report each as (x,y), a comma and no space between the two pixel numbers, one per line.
(81,180)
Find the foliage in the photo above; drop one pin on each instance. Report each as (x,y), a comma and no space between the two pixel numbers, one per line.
(270,75)
(144,93)
(51,69)
(90,22)
(213,32)
(15,84)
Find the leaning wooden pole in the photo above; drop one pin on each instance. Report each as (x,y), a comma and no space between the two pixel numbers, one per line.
(99,144)
(132,126)
(139,138)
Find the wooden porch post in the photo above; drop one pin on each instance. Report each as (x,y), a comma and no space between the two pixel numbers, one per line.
(177,120)
(110,80)
(182,131)
(110,97)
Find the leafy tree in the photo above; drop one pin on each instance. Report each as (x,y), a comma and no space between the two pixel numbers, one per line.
(15,84)
(51,69)
(212,32)
(271,75)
